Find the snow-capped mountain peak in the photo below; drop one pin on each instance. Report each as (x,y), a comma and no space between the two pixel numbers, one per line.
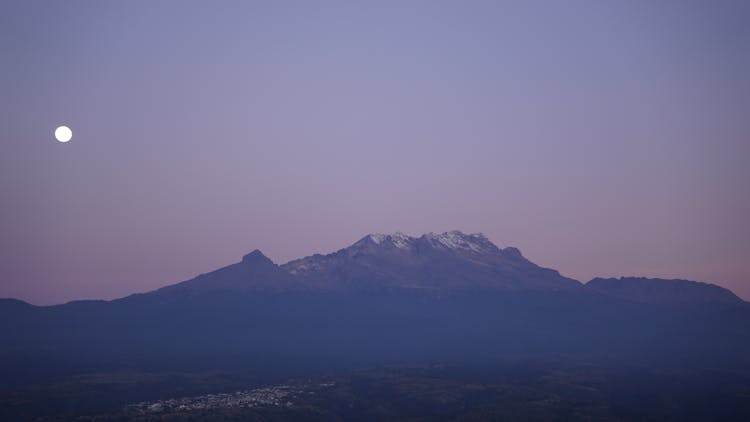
(453,241)
(450,260)
(398,239)
(377,237)
(457,240)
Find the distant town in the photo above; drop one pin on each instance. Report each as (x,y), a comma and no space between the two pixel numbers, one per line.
(273,396)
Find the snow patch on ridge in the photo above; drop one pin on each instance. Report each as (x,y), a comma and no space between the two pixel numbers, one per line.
(457,240)
(397,239)
(378,238)
(401,240)
(453,240)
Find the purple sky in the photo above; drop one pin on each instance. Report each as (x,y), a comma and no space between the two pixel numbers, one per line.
(601,138)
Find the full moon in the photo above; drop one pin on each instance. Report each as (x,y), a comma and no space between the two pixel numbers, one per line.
(63,134)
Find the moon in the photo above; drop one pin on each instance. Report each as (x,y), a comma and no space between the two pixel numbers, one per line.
(63,134)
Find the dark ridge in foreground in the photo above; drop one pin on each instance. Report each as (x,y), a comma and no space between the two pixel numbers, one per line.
(656,290)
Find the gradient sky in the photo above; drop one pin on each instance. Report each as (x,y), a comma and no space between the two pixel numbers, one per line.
(602,138)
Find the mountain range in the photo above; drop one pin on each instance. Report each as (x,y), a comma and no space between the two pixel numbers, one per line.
(447,262)
(384,299)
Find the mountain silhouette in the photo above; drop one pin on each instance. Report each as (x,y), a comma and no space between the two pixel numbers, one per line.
(431,262)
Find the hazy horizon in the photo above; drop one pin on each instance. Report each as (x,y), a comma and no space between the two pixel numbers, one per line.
(602,139)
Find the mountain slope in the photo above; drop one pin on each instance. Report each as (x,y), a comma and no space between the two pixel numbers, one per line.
(255,273)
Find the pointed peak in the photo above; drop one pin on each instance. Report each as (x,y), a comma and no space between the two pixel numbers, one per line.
(256,257)
(513,252)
